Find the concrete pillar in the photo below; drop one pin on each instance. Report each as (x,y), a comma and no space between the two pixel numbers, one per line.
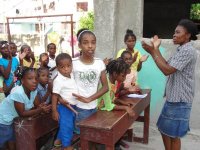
(112,18)
(130,16)
(105,26)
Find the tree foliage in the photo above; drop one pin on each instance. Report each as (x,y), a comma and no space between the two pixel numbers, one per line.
(87,21)
(195,11)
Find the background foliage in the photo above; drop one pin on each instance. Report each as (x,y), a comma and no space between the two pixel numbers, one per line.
(87,21)
(195,11)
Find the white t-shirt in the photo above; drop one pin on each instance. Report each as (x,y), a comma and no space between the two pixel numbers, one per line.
(87,77)
(52,64)
(65,87)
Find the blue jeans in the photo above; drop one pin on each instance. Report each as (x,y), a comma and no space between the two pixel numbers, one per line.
(82,114)
(174,119)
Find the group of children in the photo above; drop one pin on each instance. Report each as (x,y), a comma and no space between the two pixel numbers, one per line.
(72,88)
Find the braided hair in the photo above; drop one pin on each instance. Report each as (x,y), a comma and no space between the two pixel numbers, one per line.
(118,66)
(22,71)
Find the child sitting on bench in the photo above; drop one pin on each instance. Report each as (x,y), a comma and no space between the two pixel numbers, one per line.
(117,70)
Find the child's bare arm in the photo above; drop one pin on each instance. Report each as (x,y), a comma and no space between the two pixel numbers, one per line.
(27,113)
(6,72)
(54,100)
(121,102)
(98,94)
(128,109)
(142,59)
(33,60)
(6,88)
(65,103)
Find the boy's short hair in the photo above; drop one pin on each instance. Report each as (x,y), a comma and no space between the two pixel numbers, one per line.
(48,46)
(125,52)
(3,44)
(61,57)
(39,70)
(43,54)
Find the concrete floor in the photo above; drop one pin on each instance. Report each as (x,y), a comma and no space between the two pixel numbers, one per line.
(189,142)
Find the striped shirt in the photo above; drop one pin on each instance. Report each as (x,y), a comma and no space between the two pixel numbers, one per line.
(180,85)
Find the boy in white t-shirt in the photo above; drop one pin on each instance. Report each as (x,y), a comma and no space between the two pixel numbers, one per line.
(51,49)
(63,86)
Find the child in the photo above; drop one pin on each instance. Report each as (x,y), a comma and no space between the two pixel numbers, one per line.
(2,95)
(88,72)
(130,40)
(117,70)
(8,65)
(26,57)
(44,60)
(13,50)
(19,103)
(51,48)
(44,87)
(63,86)
(130,81)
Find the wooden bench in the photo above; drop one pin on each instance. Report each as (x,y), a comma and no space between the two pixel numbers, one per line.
(108,127)
(32,133)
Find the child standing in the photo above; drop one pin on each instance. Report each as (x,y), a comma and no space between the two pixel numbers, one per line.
(8,65)
(44,60)
(19,103)
(130,82)
(63,86)
(13,50)
(2,95)
(88,71)
(26,57)
(44,87)
(138,59)
(51,48)
(117,70)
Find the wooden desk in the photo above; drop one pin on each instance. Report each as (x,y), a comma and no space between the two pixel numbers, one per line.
(29,131)
(108,127)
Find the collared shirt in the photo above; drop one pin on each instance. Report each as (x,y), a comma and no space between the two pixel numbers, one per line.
(42,91)
(65,86)
(52,64)
(180,85)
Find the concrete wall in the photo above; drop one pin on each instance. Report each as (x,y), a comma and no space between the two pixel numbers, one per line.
(112,18)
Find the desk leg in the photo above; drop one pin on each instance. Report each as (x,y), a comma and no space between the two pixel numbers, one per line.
(146,124)
(84,144)
(110,147)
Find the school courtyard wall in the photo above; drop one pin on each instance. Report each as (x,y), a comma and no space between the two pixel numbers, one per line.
(112,18)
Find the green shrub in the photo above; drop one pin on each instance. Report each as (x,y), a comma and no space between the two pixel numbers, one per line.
(195,11)
(87,21)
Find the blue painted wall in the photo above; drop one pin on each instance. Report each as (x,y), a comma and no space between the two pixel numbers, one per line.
(151,77)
